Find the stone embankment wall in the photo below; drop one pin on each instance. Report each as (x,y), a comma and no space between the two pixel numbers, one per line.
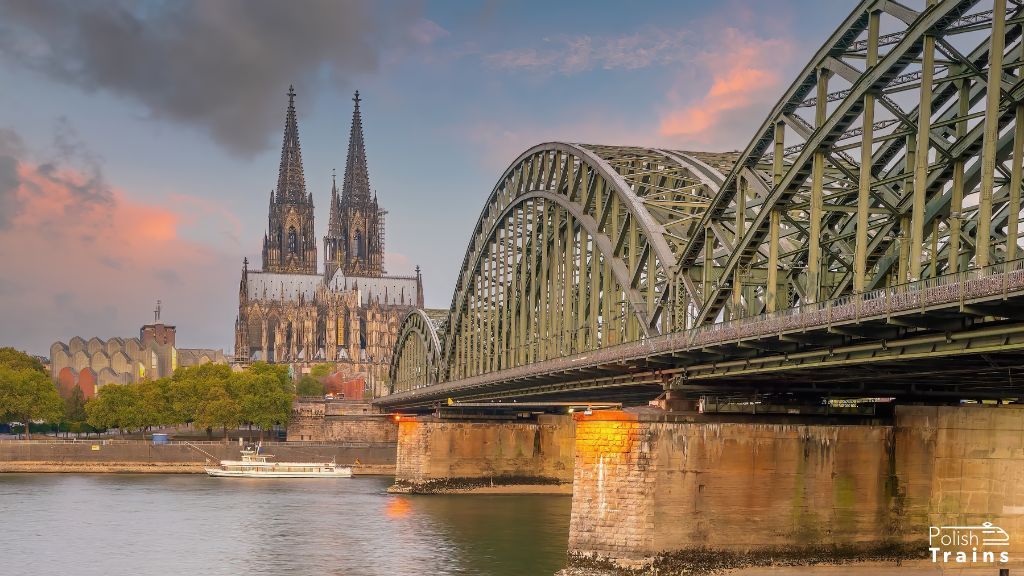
(646,489)
(141,456)
(317,420)
(442,455)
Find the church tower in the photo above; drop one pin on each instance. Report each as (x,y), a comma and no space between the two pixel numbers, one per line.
(355,235)
(290,246)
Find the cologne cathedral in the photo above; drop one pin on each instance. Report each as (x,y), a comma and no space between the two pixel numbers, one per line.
(349,315)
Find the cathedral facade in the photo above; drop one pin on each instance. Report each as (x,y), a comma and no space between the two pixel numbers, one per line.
(349,315)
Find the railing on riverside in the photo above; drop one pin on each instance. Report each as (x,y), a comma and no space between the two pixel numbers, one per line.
(976,283)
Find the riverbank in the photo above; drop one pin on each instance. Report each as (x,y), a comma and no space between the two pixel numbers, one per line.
(148,468)
(496,485)
(144,457)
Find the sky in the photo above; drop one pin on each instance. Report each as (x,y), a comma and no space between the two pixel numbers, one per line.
(139,141)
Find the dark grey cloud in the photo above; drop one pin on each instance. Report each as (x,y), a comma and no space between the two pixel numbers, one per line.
(168,278)
(11,148)
(222,66)
(9,182)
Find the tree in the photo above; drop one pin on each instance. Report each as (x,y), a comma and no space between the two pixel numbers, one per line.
(321,371)
(18,360)
(188,388)
(309,386)
(74,409)
(155,405)
(27,394)
(115,406)
(277,371)
(261,399)
(218,408)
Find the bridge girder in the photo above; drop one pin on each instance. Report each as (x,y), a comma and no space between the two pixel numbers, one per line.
(823,224)
(894,160)
(417,358)
(573,249)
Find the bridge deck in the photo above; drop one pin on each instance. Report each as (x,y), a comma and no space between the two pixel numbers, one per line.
(884,341)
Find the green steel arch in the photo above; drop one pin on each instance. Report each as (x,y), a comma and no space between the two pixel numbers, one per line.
(416,360)
(572,251)
(888,160)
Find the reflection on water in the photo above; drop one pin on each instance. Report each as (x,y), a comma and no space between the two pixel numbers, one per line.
(149,524)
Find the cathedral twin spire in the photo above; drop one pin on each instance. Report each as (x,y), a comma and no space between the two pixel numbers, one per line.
(291,181)
(289,246)
(355,235)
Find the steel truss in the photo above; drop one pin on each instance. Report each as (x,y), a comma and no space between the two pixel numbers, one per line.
(895,157)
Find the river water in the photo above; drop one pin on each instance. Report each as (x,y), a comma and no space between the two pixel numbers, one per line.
(188,524)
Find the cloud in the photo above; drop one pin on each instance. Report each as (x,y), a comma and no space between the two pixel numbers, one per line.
(397,264)
(745,73)
(500,142)
(221,67)
(570,55)
(426,32)
(93,262)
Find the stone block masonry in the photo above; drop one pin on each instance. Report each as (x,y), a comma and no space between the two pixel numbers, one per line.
(442,455)
(339,421)
(648,489)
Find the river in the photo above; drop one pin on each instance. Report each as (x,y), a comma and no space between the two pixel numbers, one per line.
(188,524)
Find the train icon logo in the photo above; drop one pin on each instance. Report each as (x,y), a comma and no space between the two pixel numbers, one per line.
(968,544)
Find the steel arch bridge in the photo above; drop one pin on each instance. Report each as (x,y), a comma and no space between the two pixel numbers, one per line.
(892,163)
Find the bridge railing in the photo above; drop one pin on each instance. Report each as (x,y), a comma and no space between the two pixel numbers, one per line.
(1001,278)
(975,283)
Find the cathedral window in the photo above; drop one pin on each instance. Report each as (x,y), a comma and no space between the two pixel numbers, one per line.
(360,249)
(291,241)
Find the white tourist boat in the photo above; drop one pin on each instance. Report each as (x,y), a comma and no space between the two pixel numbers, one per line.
(256,465)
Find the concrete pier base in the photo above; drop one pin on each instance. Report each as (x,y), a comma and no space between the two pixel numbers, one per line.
(437,455)
(682,492)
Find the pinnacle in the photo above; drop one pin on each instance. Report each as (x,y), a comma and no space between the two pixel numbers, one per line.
(356,183)
(291,181)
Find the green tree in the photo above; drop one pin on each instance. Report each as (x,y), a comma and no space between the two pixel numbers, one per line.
(155,405)
(17,360)
(74,409)
(27,394)
(277,371)
(261,399)
(189,387)
(321,371)
(309,386)
(218,408)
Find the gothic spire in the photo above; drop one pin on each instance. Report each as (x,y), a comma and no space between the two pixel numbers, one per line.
(357,179)
(335,216)
(291,182)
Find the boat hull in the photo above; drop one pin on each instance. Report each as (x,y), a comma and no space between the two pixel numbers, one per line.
(218,473)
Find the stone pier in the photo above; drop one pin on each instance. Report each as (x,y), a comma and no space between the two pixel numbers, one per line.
(675,490)
(441,455)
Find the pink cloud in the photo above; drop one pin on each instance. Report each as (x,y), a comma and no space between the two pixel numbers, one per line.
(744,71)
(398,264)
(425,32)
(83,262)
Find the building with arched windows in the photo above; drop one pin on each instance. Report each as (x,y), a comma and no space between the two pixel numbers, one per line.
(349,315)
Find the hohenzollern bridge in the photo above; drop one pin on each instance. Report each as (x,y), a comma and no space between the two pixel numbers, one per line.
(864,243)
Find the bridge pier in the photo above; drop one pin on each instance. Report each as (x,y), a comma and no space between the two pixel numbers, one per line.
(677,490)
(443,455)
